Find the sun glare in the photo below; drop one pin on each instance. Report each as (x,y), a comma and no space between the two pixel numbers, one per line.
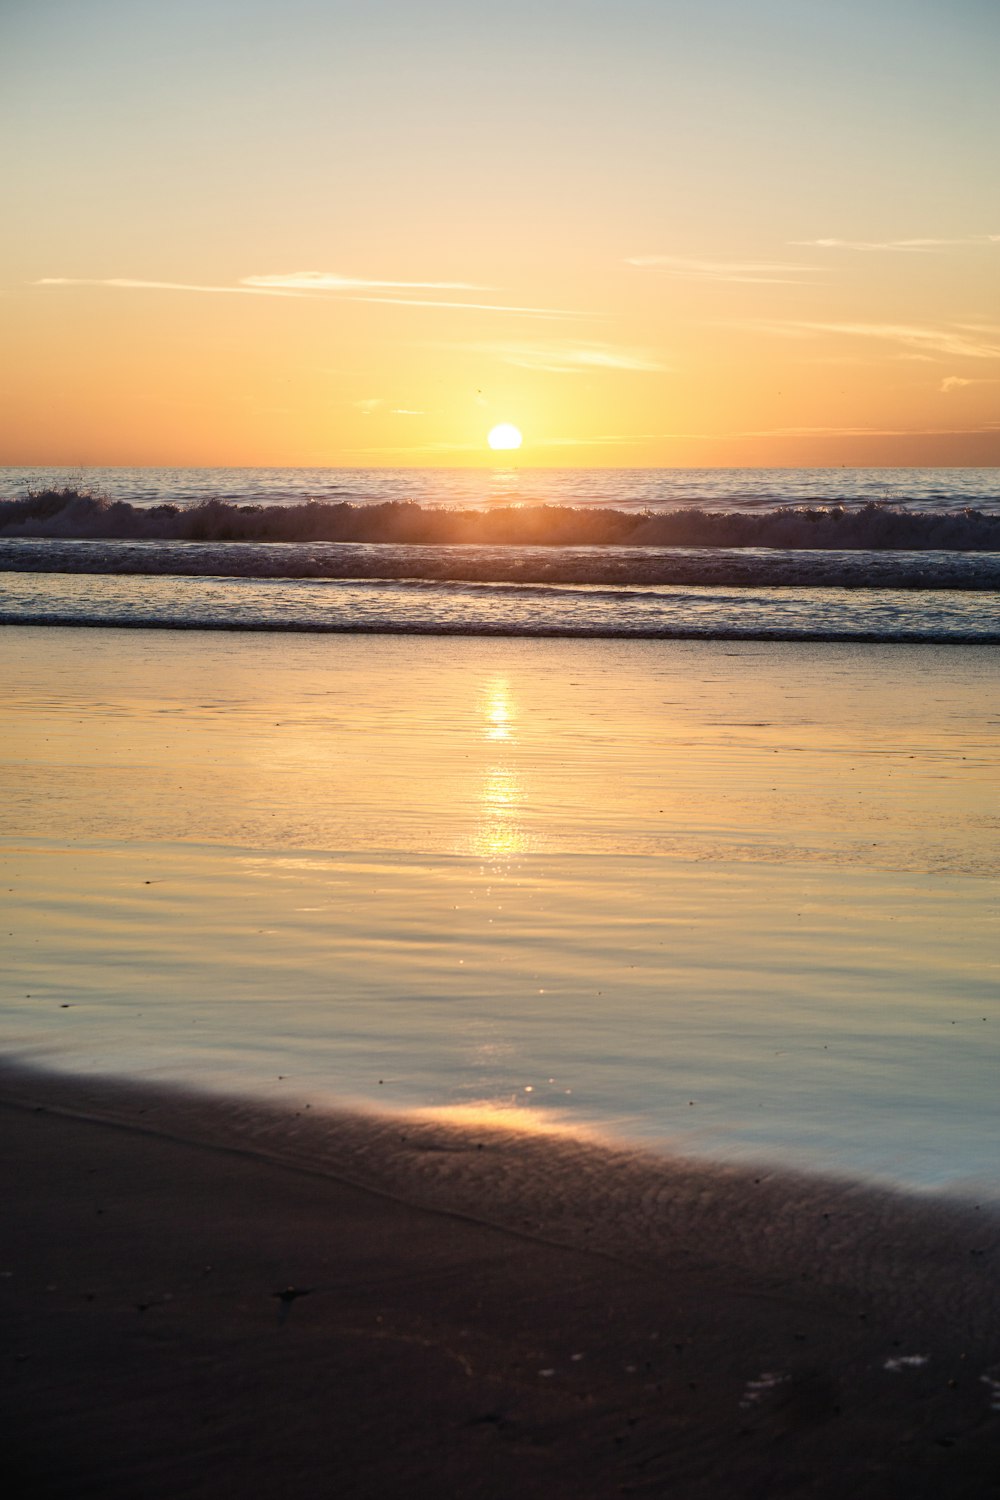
(504,436)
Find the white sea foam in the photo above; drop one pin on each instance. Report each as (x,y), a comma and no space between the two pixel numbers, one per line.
(410,606)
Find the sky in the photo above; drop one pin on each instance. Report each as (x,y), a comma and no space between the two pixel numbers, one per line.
(647,232)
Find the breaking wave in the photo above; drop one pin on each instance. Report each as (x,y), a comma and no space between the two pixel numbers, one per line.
(72,513)
(616,566)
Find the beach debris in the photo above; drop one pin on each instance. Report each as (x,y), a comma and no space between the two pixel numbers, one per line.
(286,1297)
(755,1390)
(290,1293)
(906,1362)
(495,1418)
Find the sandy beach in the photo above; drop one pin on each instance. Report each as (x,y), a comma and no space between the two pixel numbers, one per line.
(203,1300)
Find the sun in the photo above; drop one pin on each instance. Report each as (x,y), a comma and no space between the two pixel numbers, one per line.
(505,436)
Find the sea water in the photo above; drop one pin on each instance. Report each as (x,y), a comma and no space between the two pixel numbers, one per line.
(632,489)
(862,555)
(733,900)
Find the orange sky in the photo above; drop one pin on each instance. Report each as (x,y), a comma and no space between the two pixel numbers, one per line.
(648,233)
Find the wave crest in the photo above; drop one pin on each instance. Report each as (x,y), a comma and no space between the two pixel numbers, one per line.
(72,513)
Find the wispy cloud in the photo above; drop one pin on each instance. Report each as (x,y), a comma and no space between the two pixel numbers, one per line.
(912,245)
(555,313)
(131,283)
(332,281)
(745,272)
(568,358)
(600,440)
(304,284)
(959,382)
(368,405)
(411,448)
(907,432)
(984,429)
(924,341)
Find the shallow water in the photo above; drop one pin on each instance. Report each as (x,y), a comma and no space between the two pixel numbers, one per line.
(738,902)
(405,606)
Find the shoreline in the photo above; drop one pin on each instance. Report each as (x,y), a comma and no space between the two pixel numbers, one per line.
(467,632)
(400,1308)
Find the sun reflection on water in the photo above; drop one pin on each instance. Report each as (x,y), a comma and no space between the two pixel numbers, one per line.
(499,711)
(499,831)
(508,1115)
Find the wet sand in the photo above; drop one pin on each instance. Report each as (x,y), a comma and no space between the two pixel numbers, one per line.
(595,880)
(213,1299)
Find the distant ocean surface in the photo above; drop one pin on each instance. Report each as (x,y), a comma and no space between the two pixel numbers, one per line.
(730,554)
(946,490)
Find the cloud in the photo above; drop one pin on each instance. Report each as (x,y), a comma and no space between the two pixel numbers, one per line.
(959,382)
(747,272)
(293,283)
(331,281)
(419,448)
(913,245)
(570,358)
(368,405)
(132,283)
(985,429)
(605,440)
(555,313)
(924,341)
(348,287)
(339,289)
(915,432)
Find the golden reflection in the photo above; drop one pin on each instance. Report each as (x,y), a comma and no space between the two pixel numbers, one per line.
(499,711)
(498,832)
(501,790)
(508,1114)
(505,486)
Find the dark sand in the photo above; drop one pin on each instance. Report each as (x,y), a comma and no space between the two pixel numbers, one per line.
(201,1300)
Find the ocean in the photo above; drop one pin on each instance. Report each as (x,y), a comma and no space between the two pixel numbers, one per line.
(877,555)
(691,846)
